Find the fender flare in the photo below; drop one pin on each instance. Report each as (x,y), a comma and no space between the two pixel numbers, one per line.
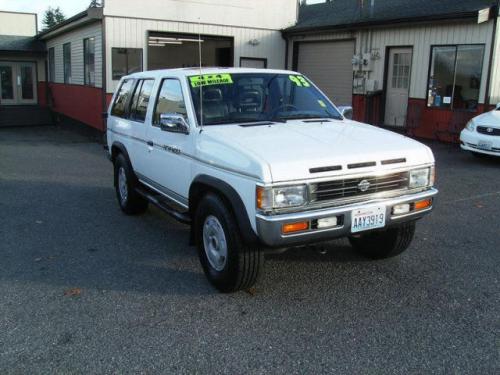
(200,185)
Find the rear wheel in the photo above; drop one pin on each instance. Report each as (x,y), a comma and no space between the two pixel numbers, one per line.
(125,183)
(229,264)
(384,244)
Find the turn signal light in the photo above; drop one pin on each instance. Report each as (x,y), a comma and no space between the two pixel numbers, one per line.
(295,227)
(422,205)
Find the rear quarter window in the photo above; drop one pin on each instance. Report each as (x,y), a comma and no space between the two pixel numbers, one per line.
(119,108)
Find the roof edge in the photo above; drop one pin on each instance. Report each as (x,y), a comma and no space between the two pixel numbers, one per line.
(91,13)
(421,19)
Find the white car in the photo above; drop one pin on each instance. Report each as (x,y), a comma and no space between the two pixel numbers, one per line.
(256,161)
(481,136)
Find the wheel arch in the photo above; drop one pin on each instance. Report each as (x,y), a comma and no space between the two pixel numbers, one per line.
(204,184)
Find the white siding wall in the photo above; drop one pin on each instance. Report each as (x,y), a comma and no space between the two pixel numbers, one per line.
(495,76)
(421,38)
(266,14)
(132,33)
(76,38)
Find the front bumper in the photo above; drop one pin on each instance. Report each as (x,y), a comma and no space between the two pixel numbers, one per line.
(469,141)
(269,228)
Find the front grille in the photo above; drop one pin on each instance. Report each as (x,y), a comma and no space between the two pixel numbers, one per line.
(355,187)
(484,130)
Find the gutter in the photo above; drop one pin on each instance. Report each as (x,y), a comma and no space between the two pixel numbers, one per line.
(368,24)
(87,16)
(487,94)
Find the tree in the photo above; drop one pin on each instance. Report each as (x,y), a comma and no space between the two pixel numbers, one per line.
(52,17)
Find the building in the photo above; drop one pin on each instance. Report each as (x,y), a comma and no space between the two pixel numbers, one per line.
(22,70)
(422,65)
(89,53)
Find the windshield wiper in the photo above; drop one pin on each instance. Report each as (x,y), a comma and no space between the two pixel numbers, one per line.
(244,122)
(307,117)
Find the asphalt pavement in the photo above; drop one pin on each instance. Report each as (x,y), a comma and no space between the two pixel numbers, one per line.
(85,289)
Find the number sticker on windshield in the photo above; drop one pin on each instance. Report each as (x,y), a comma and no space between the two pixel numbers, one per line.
(300,81)
(322,103)
(211,79)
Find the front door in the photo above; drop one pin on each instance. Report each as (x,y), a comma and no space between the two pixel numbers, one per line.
(17,83)
(398,84)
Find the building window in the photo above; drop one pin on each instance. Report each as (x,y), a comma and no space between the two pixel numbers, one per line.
(126,61)
(455,76)
(170,100)
(89,61)
(67,62)
(140,101)
(52,65)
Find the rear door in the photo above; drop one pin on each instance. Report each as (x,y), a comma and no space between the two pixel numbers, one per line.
(128,116)
(398,84)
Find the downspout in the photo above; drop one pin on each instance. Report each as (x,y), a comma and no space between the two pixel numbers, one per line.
(104,77)
(487,95)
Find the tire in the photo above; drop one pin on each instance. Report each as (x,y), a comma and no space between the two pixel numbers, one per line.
(385,244)
(229,264)
(129,200)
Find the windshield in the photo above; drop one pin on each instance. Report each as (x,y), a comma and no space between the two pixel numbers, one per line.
(257,97)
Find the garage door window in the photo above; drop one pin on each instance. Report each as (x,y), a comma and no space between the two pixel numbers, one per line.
(455,76)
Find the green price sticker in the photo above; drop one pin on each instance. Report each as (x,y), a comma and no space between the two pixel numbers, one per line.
(211,79)
(300,81)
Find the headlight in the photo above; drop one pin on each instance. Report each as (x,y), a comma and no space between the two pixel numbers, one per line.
(471,126)
(281,197)
(420,178)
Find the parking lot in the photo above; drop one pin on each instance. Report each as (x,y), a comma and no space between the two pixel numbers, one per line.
(85,289)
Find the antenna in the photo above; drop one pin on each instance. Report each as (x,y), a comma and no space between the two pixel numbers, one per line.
(201,79)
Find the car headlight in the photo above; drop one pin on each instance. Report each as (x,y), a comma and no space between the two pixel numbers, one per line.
(421,178)
(471,126)
(281,197)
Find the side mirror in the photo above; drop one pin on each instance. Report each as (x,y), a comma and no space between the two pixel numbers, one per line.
(173,123)
(498,107)
(346,111)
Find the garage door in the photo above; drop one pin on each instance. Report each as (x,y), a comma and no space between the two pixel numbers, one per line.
(329,65)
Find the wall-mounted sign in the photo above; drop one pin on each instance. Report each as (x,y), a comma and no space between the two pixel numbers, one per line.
(483,15)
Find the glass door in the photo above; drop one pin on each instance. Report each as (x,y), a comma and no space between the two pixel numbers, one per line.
(7,84)
(18,83)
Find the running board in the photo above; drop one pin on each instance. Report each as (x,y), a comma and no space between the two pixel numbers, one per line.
(182,217)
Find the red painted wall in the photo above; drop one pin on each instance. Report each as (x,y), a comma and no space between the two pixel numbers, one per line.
(422,121)
(42,94)
(82,103)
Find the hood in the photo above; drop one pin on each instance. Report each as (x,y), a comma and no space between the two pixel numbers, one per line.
(490,119)
(299,150)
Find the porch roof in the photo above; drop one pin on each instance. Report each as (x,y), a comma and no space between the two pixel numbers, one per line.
(9,43)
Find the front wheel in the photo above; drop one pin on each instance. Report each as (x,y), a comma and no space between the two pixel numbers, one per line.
(229,264)
(384,244)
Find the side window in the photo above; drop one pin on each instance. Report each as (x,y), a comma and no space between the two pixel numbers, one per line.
(120,106)
(140,102)
(170,100)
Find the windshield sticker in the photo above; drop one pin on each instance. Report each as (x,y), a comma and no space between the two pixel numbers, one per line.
(300,81)
(211,79)
(322,103)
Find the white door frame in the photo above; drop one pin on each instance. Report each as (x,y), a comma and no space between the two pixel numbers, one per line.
(16,67)
(399,121)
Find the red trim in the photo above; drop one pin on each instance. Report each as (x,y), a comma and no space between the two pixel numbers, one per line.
(82,103)
(42,94)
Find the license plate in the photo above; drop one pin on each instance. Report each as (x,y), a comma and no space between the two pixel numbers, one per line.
(484,145)
(368,218)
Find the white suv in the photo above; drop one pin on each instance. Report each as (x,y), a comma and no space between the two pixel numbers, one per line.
(258,161)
